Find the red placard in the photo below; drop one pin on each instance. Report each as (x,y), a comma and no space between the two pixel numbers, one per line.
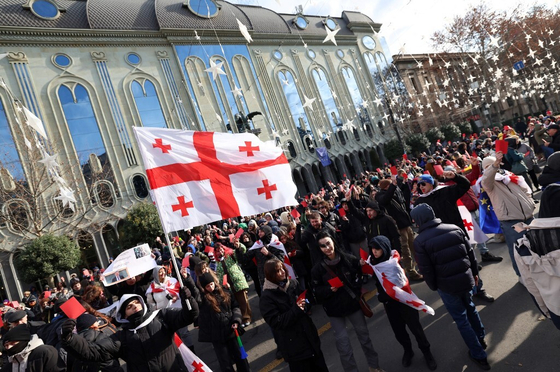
(341,212)
(47,294)
(379,170)
(208,249)
(405,156)
(224,281)
(217,236)
(302,296)
(336,282)
(239,233)
(502,145)
(231,237)
(228,251)
(438,169)
(15,304)
(295,214)
(394,170)
(366,269)
(303,204)
(363,254)
(72,308)
(186,262)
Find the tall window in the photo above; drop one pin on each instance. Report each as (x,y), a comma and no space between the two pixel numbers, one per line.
(295,104)
(357,99)
(9,158)
(326,93)
(85,133)
(147,103)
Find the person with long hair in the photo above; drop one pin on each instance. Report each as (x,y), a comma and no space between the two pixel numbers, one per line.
(341,303)
(286,314)
(219,317)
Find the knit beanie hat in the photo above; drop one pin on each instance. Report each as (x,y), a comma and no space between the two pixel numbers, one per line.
(18,333)
(85,321)
(553,161)
(205,279)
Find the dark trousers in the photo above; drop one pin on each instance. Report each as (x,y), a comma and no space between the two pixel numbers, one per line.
(228,353)
(254,274)
(401,316)
(314,364)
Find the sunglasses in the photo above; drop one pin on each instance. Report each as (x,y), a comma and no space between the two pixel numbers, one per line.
(421,183)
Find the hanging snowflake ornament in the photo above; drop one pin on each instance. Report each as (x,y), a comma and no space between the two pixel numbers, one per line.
(66,197)
(215,69)
(237,92)
(308,102)
(49,161)
(331,35)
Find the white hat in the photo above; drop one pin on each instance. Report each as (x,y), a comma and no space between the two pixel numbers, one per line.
(488,161)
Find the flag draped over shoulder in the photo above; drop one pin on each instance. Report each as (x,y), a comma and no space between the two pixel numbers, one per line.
(201,177)
(276,243)
(488,220)
(476,235)
(395,283)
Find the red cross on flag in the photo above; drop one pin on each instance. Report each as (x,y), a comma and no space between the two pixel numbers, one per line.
(193,362)
(202,177)
(476,235)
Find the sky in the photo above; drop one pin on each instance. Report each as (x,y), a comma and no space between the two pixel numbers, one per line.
(407,24)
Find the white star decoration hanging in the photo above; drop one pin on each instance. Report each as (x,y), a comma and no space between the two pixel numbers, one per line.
(331,35)
(244,31)
(49,161)
(237,92)
(67,198)
(308,102)
(215,69)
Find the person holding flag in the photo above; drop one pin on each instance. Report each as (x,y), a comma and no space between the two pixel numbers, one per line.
(286,314)
(400,303)
(336,282)
(268,246)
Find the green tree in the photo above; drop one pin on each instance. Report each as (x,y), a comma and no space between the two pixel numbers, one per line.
(465,128)
(141,225)
(451,132)
(434,134)
(46,256)
(418,143)
(393,149)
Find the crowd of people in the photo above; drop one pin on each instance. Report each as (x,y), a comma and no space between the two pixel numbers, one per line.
(404,218)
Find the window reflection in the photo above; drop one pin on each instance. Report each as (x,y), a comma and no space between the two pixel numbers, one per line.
(356,95)
(325,91)
(295,104)
(85,133)
(148,105)
(9,158)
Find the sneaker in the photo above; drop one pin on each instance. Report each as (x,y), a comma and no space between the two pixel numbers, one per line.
(484,296)
(430,361)
(483,343)
(407,358)
(489,257)
(482,363)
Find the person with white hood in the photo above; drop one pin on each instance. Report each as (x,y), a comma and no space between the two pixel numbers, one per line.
(145,342)
(163,291)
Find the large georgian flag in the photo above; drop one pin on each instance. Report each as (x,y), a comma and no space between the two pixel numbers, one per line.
(201,177)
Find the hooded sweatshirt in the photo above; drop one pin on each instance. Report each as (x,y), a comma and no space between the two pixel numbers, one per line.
(160,294)
(381,224)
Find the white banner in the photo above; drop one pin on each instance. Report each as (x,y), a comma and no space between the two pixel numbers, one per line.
(132,262)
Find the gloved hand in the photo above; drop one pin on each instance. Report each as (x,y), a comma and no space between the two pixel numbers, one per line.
(67,328)
(185,293)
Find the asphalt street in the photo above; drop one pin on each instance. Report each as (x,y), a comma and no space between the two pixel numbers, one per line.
(518,337)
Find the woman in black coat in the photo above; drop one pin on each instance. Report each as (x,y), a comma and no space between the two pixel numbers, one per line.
(296,335)
(219,317)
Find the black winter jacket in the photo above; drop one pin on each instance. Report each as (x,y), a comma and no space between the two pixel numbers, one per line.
(308,238)
(149,348)
(394,203)
(43,358)
(339,303)
(444,201)
(79,365)
(380,225)
(216,327)
(296,334)
(445,257)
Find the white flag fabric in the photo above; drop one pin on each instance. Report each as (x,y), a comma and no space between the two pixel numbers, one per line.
(276,243)
(202,177)
(395,283)
(476,235)
(35,123)
(193,363)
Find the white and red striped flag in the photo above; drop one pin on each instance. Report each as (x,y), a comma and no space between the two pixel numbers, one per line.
(193,363)
(476,235)
(276,243)
(202,177)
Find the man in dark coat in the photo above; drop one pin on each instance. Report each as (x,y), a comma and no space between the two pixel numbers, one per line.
(23,348)
(554,143)
(146,341)
(307,237)
(447,261)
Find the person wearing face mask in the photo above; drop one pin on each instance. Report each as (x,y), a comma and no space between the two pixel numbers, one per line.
(146,340)
(227,266)
(27,352)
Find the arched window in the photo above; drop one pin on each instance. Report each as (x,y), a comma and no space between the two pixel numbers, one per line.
(17,214)
(148,104)
(140,186)
(357,98)
(85,133)
(326,93)
(291,149)
(9,158)
(104,194)
(295,104)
